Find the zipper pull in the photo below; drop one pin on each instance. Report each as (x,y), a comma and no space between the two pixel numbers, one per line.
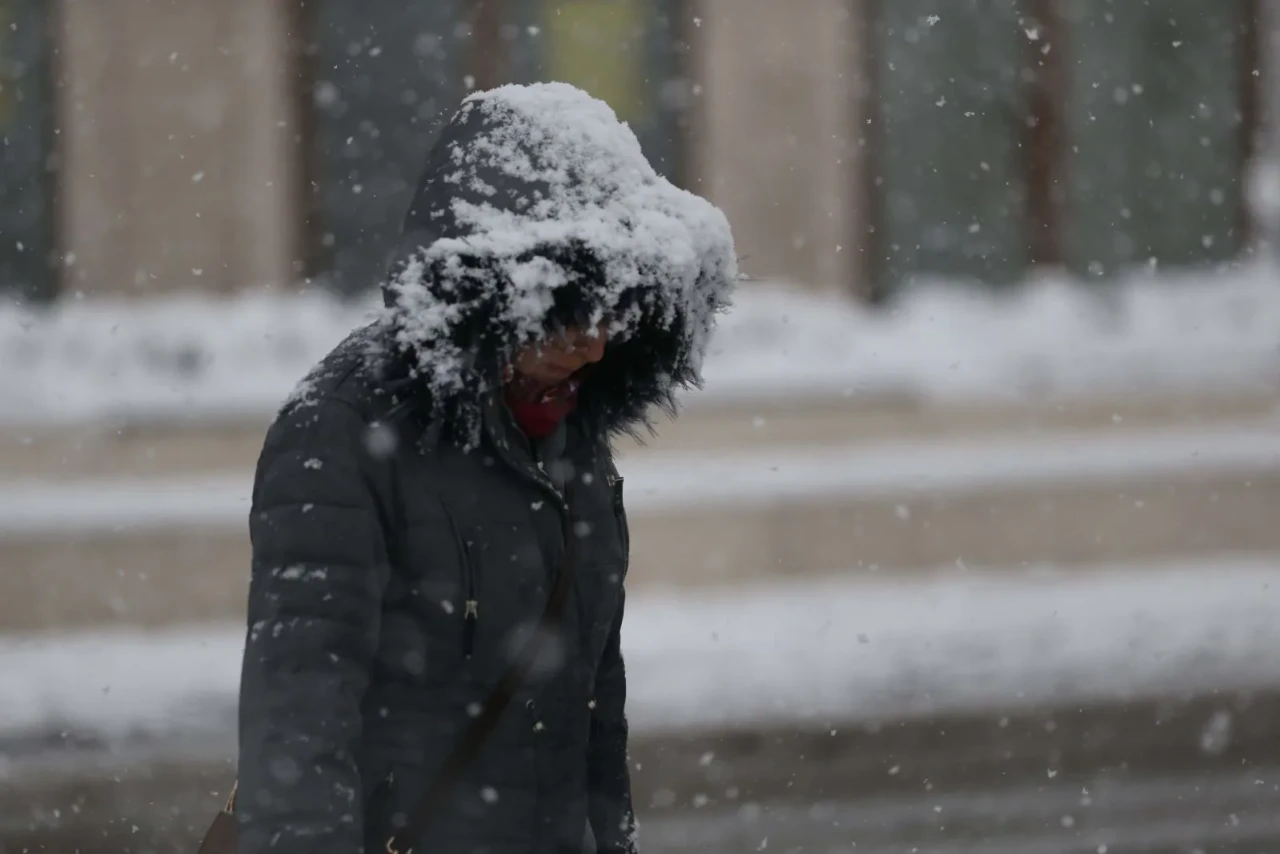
(469,619)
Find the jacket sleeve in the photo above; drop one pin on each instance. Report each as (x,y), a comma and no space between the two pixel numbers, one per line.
(613,822)
(318,576)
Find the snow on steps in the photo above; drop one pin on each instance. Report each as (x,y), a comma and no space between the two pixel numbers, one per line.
(188,382)
(824,652)
(199,446)
(169,551)
(686,481)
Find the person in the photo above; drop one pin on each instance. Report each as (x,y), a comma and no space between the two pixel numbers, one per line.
(420,491)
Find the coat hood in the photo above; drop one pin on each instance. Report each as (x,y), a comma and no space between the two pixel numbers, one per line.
(537,209)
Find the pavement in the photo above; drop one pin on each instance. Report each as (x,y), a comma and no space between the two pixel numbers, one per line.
(1150,777)
(1223,813)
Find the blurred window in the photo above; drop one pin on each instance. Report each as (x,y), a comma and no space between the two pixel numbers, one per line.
(26,143)
(380,77)
(1154,106)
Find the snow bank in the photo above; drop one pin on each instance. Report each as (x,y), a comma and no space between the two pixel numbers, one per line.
(850,651)
(1053,338)
(832,652)
(197,357)
(176,356)
(667,483)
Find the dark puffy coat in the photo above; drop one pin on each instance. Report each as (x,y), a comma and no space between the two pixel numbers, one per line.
(406,534)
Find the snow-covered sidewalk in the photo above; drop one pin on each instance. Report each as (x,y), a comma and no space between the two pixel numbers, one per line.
(666,482)
(191,356)
(832,652)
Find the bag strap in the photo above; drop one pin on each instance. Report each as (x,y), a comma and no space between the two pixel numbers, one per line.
(482,726)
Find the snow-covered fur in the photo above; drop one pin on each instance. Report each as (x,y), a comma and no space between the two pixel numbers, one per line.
(536,210)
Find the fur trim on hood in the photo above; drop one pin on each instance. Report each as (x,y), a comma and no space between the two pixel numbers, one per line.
(536,210)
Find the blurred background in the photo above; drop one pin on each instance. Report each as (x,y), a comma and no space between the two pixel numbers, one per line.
(969,544)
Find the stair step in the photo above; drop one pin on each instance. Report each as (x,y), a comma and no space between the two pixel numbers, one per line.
(1122,778)
(162,552)
(203,446)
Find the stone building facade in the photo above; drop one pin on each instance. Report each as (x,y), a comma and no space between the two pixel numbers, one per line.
(219,146)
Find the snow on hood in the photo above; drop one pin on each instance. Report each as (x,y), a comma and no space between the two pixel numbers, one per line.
(538,209)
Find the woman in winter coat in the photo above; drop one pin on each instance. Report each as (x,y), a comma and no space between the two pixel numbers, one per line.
(420,493)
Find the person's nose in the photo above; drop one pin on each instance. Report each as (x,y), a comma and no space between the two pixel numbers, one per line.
(592,347)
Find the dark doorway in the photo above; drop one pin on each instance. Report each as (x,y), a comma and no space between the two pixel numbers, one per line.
(377,78)
(27,241)
(1099,135)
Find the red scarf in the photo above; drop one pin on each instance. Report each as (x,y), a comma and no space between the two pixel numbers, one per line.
(538,418)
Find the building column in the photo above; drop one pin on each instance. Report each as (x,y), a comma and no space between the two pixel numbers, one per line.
(177,130)
(1263,173)
(774,135)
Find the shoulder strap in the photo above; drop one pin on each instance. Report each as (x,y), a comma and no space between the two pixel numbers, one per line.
(513,679)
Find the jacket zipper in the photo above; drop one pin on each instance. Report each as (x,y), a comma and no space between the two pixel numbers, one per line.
(471,608)
(471,604)
(541,479)
(537,475)
(619,512)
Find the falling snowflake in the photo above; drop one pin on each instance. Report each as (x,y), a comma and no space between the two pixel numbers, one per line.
(380,440)
(1215,737)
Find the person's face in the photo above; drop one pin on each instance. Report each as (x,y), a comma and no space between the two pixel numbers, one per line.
(560,356)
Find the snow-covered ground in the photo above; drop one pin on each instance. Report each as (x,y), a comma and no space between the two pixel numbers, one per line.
(831,652)
(198,356)
(670,481)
